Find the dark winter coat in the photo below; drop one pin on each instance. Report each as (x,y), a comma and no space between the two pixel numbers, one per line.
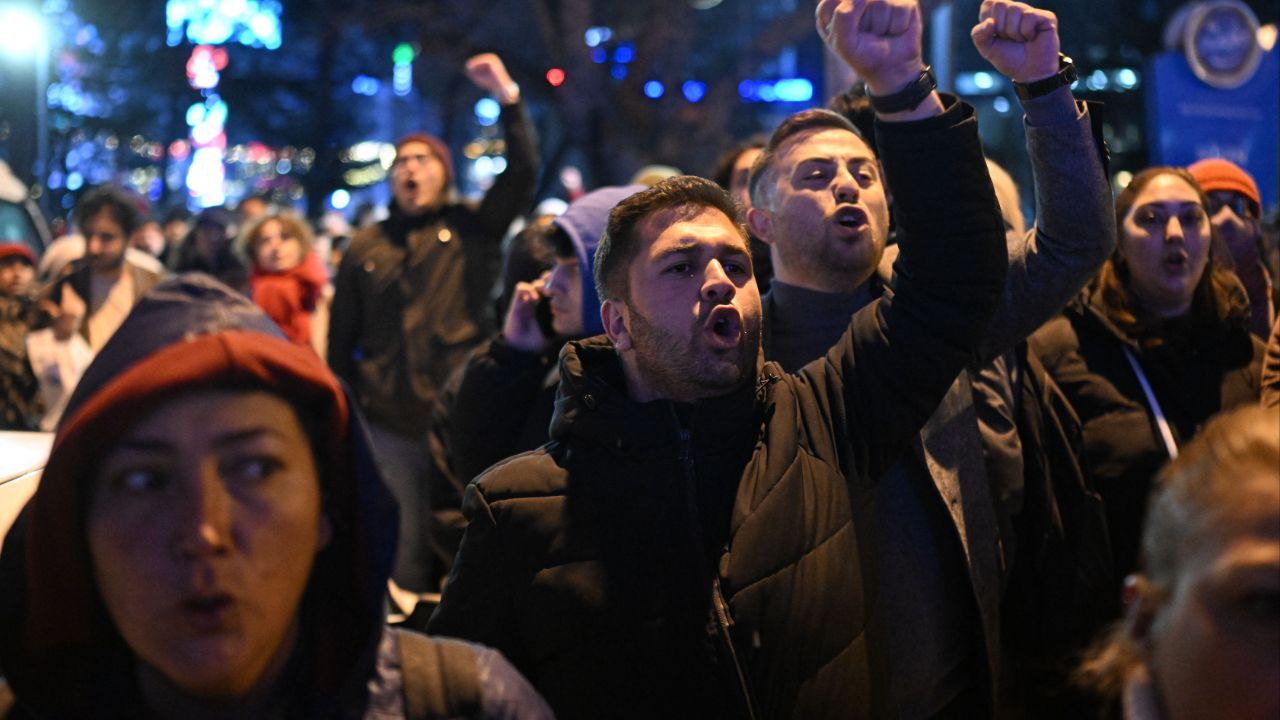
(662,560)
(1194,373)
(411,294)
(62,654)
(20,402)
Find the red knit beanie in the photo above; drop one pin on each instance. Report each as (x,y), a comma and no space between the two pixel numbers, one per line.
(438,148)
(1218,174)
(9,250)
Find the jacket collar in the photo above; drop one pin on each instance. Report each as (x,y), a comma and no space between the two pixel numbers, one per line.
(592,405)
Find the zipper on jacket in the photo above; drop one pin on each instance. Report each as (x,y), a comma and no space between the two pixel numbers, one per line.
(719,608)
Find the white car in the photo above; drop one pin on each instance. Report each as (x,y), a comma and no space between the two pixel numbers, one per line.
(22,457)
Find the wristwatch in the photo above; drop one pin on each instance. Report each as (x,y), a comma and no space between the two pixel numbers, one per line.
(909,97)
(1065,76)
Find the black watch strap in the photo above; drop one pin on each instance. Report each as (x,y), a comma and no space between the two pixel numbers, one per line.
(909,97)
(1065,76)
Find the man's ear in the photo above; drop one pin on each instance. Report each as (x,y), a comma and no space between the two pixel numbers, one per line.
(613,314)
(760,223)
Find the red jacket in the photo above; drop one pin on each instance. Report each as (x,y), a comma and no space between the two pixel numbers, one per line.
(289,297)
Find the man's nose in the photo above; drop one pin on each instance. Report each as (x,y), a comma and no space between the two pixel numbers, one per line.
(716,286)
(845,186)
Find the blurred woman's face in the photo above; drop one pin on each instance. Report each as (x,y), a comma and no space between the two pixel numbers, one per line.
(203,524)
(277,251)
(1165,241)
(1214,646)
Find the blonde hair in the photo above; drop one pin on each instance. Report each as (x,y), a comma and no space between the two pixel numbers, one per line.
(1195,498)
(291,226)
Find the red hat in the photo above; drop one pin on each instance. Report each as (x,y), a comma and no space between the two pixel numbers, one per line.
(9,249)
(438,148)
(1218,174)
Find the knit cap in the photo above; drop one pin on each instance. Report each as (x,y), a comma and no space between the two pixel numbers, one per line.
(1218,174)
(438,148)
(10,250)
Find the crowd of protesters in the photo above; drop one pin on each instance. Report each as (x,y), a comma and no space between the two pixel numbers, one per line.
(835,433)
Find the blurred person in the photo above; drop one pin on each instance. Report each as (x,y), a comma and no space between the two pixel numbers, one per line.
(411,300)
(820,203)
(209,248)
(287,277)
(854,105)
(1201,633)
(149,238)
(653,174)
(20,402)
(693,540)
(176,226)
(93,294)
(733,173)
(506,396)
(210,539)
(1235,210)
(1154,346)
(253,207)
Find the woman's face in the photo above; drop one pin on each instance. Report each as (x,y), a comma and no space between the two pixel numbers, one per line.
(1165,240)
(277,251)
(1214,645)
(203,524)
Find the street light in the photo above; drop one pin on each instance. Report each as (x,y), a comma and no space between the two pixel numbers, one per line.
(22,35)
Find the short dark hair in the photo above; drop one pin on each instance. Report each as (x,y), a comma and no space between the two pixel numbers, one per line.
(803,121)
(123,207)
(855,106)
(722,173)
(687,194)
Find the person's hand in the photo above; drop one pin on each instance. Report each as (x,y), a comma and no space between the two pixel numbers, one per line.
(520,329)
(880,40)
(489,74)
(66,315)
(1017,39)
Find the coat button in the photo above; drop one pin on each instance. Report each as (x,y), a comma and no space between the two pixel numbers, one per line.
(589,400)
(368,266)
(445,235)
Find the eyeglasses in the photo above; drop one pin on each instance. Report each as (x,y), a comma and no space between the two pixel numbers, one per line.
(407,160)
(1239,204)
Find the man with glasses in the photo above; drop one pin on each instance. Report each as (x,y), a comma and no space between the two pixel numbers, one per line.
(1235,209)
(411,301)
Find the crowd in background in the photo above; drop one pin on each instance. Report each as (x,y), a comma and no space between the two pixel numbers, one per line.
(911,454)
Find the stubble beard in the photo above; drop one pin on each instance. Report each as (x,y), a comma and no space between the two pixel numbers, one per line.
(823,262)
(686,370)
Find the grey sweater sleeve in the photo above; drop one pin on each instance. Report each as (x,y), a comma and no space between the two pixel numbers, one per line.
(1075,223)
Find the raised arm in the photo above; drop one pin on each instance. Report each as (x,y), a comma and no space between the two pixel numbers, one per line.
(1075,223)
(886,375)
(512,190)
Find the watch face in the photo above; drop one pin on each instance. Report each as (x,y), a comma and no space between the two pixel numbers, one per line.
(1221,43)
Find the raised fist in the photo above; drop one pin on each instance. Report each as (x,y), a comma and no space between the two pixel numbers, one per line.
(1018,40)
(488,73)
(879,39)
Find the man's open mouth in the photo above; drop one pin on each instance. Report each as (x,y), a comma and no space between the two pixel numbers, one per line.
(851,218)
(724,327)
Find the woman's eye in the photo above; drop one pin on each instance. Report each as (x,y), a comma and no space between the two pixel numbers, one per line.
(1148,218)
(1192,217)
(139,480)
(252,469)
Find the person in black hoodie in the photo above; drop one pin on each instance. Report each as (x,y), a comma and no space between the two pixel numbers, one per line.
(211,539)
(411,302)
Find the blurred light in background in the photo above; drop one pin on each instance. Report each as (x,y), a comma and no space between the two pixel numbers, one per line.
(365,85)
(487,111)
(20,31)
(339,199)
(693,90)
(625,53)
(653,89)
(555,77)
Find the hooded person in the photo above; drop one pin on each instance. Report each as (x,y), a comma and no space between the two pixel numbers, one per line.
(210,538)
(506,397)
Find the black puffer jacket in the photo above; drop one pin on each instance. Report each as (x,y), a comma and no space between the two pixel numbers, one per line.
(411,295)
(62,653)
(612,564)
(1194,373)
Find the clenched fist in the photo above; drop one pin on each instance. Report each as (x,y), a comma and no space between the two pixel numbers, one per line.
(879,39)
(1017,39)
(488,72)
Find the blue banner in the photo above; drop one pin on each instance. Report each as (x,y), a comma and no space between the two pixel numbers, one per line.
(1189,120)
